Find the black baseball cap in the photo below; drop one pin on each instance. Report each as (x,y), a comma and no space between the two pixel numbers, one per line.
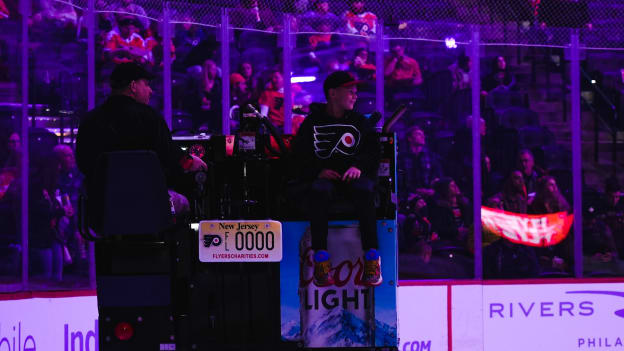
(124,73)
(339,79)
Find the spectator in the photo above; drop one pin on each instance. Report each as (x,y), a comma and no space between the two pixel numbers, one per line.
(54,20)
(449,213)
(401,70)
(154,47)
(599,247)
(320,13)
(51,213)
(298,6)
(327,168)
(360,21)
(495,202)
(514,194)
(187,38)
(460,166)
(530,172)
(320,10)
(613,212)
(548,199)
(105,20)
(46,250)
(250,15)
(320,47)
(420,166)
(294,24)
(513,198)
(613,192)
(10,200)
(460,71)
(62,14)
(240,95)
(414,223)
(210,97)
(69,179)
(323,39)
(360,60)
(361,66)
(246,70)
(14,146)
(7,176)
(500,78)
(128,7)
(126,45)
(69,183)
(490,179)
(272,99)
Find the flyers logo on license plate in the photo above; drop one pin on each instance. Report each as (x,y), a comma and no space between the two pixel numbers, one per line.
(240,241)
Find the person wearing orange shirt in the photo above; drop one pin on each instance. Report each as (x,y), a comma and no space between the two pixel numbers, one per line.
(272,100)
(126,45)
(402,70)
(153,45)
(360,21)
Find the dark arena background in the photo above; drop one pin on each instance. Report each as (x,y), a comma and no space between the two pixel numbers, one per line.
(499,196)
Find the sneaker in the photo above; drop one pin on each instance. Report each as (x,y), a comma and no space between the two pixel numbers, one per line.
(372,268)
(322,267)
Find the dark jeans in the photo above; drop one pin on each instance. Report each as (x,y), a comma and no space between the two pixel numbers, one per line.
(361,193)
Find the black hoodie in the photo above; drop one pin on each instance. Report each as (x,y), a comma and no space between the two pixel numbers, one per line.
(327,142)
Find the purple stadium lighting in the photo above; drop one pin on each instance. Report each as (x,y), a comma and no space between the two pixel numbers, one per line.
(303,79)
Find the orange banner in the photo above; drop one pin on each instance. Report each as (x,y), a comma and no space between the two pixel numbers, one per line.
(531,230)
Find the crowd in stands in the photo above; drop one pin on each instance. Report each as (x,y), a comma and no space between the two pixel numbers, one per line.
(434,162)
(55,247)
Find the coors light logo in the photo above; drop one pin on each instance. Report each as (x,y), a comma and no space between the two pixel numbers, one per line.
(343,314)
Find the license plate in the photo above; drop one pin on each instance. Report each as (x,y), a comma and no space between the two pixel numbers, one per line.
(240,241)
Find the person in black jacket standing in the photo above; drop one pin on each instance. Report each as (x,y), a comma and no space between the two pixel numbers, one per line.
(126,122)
(337,149)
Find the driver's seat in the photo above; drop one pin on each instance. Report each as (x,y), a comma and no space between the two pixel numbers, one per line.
(129,195)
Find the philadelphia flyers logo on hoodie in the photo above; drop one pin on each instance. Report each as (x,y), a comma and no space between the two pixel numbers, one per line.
(332,138)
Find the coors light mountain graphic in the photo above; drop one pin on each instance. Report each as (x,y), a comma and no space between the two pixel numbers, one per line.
(291,330)
(385,333)
(341,328)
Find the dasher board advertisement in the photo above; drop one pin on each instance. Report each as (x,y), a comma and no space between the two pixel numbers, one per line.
(553,317)
(423,319)
(346,314)
(39,324)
